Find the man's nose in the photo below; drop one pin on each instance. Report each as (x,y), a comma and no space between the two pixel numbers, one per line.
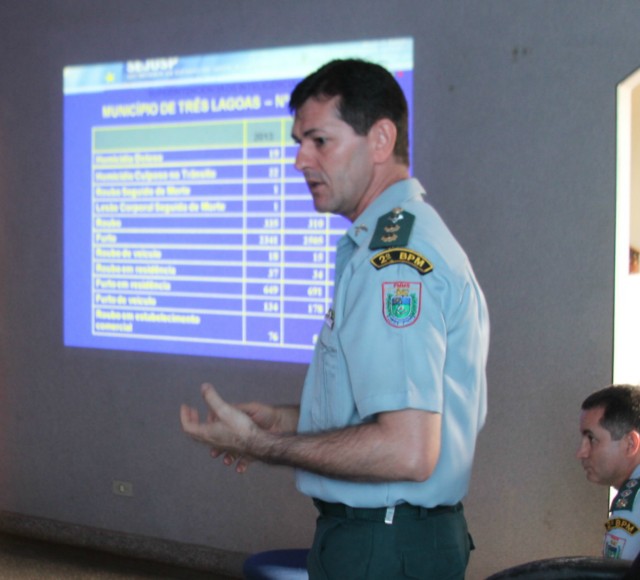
(302,158)
(581,452)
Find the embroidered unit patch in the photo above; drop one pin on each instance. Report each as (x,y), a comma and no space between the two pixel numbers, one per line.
(401,303)
(402,256)
(613,546)
(622,524)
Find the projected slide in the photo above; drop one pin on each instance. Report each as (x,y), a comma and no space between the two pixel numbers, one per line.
(187,228)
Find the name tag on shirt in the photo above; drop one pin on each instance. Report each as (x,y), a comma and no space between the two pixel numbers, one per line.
(329,318)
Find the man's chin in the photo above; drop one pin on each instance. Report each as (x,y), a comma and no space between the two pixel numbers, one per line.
(593,478)
(321,205)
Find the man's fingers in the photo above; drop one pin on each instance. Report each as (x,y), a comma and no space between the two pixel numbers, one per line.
(220,409)
(213,400)
(223,428)
(188,418)
(242,465)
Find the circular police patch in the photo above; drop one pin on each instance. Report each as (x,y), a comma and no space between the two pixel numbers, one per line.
(401,303)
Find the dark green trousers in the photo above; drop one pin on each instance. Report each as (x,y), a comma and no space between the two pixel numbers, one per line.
(358,545)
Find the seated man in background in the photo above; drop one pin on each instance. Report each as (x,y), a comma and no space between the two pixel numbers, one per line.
(610,455)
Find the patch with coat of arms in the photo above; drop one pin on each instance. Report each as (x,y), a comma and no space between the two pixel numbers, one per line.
(401,302)
(613,546)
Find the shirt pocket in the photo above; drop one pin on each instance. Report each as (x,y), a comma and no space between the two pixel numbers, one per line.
(325,394)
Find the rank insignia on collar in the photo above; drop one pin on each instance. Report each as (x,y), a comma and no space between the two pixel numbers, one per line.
(402,256)
(392,230)
(626,496)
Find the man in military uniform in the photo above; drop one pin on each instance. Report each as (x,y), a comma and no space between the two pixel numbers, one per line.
(384,437)
(610,454)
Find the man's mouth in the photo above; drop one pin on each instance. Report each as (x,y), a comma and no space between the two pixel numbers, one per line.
(313,184)
(313,181)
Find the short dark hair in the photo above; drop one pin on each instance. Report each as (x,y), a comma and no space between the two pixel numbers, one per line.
(621,404)
(368,92)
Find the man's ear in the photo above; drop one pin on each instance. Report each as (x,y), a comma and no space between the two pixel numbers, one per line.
(633,442)
(383,135)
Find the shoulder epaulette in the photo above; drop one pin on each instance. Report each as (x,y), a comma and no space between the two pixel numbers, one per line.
(392,236)
(392,230)
(626,495)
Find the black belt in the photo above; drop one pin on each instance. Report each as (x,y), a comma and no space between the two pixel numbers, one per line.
(403,510)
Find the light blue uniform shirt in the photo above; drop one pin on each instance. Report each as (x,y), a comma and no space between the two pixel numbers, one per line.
(432,357)
(622,540)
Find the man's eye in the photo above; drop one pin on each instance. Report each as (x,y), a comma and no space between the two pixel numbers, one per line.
(320,141)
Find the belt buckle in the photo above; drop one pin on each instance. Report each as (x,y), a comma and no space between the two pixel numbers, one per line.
(388,516)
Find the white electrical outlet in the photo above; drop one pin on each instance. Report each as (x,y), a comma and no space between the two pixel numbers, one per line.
(122,488)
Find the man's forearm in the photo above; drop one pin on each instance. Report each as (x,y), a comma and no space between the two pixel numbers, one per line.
(375,452)
(323,453)
(396,446)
